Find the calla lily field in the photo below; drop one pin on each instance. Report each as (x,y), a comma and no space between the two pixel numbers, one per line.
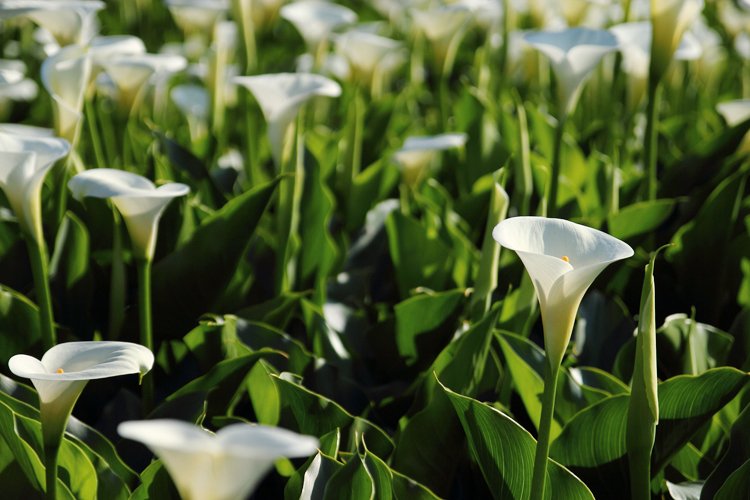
(375,249)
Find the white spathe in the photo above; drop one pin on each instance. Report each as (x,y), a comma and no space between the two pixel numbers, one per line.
(364,52)
(26,160)
(139,201)
(670,19)
(281,95)
(444,27)
(196,16)
(573,54)
(69,21)
(315,20)
(563,259)
(418,152)
(65,76)
(131,72)
(60,376)
(227,465)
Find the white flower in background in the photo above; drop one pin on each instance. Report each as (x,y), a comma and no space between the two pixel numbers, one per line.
(227,465)
(315,20)
(444,27)
(487,14)
(734,19)
(576,12)
(62,373)
(103,48)
(364,53)
(132,72)
(194,102)
(734,113)
(197,16)
(14,86)
(573,54)
(69,21)
(563,259)
(417,154)
(66,76)
(138,200)
(221,54)
(280,96)
(27,157)
(25,130)
(669,20)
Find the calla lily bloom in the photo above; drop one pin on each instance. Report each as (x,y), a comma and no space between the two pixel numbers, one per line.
(227,465)
(444,27)
(417,153)
(364,52)
(26,160)
(670,19)
(563,259)
(194,103)
(280,97)
(139,201)
(66,75)
(131,72)
(734,113)
(315,20)
(573,54)
(196,16)
(69,21)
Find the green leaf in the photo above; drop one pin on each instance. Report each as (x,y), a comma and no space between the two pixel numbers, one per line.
(737,485)
(504,452)
(418,317)
(640,218)
(309,482)
(155,483)
(19,324)
(736,456)
(370,186)
(353,481)
(419,257)
(188,281)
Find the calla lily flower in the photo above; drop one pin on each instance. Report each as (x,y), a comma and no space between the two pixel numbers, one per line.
(60,376)
(417,153)
(69,21)
(227,465)
(194,103)
(14,86)
(563,259)
(444,26)
(139,201)
(573,54)
(364,52)
(26,160)
(196,16)
(315,20)
(131,72)
(670,19)
(734,113)
(66,75)
(280,97)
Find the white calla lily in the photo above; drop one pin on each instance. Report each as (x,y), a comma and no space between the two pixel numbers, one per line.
(196,16)
(194,102)
(315,20)
(734,113)
(444,27)
(364,52)
(139,201)
(281,95)
(417,153)
(66,75)
(227,465)
(669,20)
(573,54)
(563,259)
(104,48)
(26,161)
(131,72)
(69,21)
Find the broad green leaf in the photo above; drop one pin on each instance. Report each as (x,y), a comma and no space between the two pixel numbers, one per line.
(188,281)
(418,318)
(155,483)
(19,324)
(735,457)
(370,186)
(504,452)
(353,481)
(737,485)
(381,474)
(640,218)
(419,257)
(309,482)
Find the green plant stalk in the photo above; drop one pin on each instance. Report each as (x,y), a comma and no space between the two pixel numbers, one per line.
(523,179)
(96,140)
(50,470)
(117,281)
(40,272)
(444,93)
(650,145)
(486,280)
(353,162)
(554,179)
(147,338)
(539,476)
(643,406)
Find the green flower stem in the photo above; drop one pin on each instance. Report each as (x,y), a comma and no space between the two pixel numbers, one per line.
(650,145)
(50,471)
(40,272)
(444,94)
(554,179)
(539,477)
(96,141)
(117,281)
(147,338)
(353,163)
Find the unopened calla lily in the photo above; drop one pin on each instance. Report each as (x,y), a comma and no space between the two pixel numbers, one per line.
(227,465)
(669,20)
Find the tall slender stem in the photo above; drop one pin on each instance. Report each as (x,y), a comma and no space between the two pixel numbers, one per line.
(650,146)
(539,477)
(144,315)
(50,471)
(117,281)
(554,177)
(40,272)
